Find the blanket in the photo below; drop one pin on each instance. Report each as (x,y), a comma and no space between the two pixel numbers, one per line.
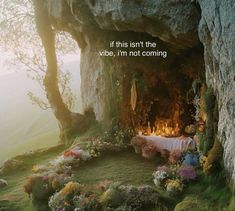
(173,143)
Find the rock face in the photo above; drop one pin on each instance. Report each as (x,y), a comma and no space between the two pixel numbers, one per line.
(175,22)
(216,32)
(171,21)
(92,83)
(92,21)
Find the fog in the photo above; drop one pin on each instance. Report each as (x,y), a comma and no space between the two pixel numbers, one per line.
(24,126)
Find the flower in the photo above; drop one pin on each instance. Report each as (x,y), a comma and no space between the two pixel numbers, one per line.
(163,168)
(187,173)
(159,177)
(35,169)
(202,160)
(175,156)
(191,159)
(138,143)
(70,187)
(174,186)
(149,150)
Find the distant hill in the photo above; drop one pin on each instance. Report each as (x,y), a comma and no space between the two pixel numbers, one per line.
(24,126)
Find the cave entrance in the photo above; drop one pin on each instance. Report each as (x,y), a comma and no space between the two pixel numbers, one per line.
(166,93)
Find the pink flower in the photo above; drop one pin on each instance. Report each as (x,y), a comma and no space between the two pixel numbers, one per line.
(175,156)
(163,168)
(187,173)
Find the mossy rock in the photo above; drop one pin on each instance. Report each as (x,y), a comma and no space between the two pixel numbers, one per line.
(214,157)
(112,197)
(191,203)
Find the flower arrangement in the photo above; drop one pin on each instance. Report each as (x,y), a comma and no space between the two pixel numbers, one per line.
(63,200)
(187,173)
(163,168)
(39,168)
(70,188)
(202,160)
(174,186)
(149,150)
(42,185)
(76,153)
(118,134)
(160,175)
(206,165)
(190,158)
(114,197)
(72,154)
(138,143)
(175,156)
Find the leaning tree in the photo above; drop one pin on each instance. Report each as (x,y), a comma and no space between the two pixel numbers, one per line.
(70,123)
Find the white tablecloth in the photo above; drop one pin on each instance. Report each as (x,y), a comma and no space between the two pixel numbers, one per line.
(173,143)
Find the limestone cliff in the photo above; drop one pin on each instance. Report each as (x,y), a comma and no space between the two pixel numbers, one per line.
(217,32)
(174,26)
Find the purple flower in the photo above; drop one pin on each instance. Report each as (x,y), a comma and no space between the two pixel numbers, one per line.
(187,173)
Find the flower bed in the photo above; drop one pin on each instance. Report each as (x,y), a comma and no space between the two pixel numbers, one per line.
(181,169)
(55,182)
(109,196)
(50,178)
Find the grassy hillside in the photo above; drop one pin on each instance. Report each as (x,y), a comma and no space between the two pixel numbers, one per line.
(23,127)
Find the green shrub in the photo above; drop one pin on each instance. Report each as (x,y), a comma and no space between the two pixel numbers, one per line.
(118,134)
(214,157)
(211,109)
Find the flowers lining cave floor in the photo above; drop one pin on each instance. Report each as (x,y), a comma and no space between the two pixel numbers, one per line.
(124,166)
(12,197)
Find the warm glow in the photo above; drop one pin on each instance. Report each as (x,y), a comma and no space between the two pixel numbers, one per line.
(160,129)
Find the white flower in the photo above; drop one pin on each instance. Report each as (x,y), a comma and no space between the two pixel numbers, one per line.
(159,176)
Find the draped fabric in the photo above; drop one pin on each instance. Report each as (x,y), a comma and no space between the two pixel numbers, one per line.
(172,143)
(133,95)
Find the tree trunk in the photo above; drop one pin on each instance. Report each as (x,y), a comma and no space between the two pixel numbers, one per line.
(68,121)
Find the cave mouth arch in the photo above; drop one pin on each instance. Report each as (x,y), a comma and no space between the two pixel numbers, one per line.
(164,85)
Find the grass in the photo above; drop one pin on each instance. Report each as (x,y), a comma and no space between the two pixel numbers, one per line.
(41,141)
(126,167)
(207,193)
(12,197)
(210,192)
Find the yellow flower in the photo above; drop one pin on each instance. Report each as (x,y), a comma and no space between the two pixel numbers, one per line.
(35,169)
(174,185)
(70,187)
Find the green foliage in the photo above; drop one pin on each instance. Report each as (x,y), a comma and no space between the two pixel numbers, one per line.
(114,197)
(118,134)
(214,192)
(113,88)
(215,155)
(211,109)
(210,100)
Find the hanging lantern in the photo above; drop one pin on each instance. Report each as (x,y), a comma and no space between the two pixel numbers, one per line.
(133,95)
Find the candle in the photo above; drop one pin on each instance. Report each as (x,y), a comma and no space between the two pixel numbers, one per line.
(140,133)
